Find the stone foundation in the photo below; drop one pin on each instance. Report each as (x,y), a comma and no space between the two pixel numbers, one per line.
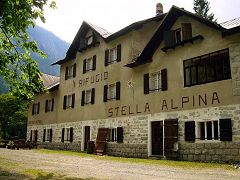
(210,152)
(137,135)
(127,150)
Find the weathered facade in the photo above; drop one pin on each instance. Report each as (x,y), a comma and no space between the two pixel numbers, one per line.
(166,86)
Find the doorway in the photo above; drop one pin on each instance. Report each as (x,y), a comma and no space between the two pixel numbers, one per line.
(164,138)
(86,136)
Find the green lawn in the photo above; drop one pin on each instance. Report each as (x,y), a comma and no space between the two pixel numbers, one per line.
(171,163)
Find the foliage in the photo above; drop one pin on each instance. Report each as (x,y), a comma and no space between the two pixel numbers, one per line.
(201,8)
(13,117)
(16,65)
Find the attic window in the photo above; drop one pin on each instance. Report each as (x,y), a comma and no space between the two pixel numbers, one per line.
(89,40)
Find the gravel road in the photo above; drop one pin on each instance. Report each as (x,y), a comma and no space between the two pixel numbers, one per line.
(87,167)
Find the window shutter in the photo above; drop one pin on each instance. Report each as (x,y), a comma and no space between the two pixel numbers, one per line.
(63,131)
(84,66)
(120,134)
(71,134)
(225,130)
(33,109)
(51,134)
(118,89)
(38,107)
(73,100)
(186,31)
(52,108)
(169,38)
(46,106)
(105,93)
(44,135)
(119,53)
(83,98)
(106,57)
(66,73)
(64,102)
(190,131)
(146,83)
(164,79)
(74,69)
(94,63)
(93,96)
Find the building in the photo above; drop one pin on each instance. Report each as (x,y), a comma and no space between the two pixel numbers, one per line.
(165,86)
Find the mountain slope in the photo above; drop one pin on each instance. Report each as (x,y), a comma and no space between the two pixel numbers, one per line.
(51,45)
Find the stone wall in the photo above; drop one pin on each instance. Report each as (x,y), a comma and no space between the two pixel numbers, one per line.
(127,150)
(210,152)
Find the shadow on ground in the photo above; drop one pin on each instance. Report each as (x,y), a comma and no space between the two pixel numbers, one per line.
(5,174)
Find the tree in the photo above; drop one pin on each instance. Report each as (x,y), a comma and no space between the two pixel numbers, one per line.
(17,67)
(201,8)
(13,116)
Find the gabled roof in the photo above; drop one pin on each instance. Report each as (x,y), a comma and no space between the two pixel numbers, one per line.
(175,12)
(107,36)
(50,81)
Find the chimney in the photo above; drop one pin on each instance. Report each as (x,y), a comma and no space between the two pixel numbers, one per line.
(159,9)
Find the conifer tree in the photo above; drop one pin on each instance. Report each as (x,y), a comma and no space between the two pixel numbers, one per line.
(201,8)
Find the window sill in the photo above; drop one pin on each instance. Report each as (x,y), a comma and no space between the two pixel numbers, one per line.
(198,37)
(207,141)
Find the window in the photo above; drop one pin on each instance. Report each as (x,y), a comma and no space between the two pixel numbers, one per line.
(207,68)
(35,108)
(176,37)
(47,135)
(112,92)
(69,101)
(113,55)
(89,64)
(70,71)
(115,134)
(89,40)
(209,130)
(49,105)
(67,134)
(88,97)
(155,81)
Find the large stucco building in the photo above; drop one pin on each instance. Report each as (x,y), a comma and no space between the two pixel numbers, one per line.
(165,86)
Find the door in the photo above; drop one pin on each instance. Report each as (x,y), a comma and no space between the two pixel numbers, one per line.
(165,138)
(157,137)
(171,138)
(86,136)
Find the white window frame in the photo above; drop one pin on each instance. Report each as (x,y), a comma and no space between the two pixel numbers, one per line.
(110,132)
(113,55)
(88,96)
(67,134)
(198,130)
(155,83)
(69,101)
(112,91)
(49,105)
(89,40)
(35,110)
(47,134)
(89,64)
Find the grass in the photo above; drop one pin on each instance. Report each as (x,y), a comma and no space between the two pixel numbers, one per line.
(169,163)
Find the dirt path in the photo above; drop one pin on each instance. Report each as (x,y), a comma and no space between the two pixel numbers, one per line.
(87,167)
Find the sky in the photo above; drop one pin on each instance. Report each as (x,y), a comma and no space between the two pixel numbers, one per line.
(114,15)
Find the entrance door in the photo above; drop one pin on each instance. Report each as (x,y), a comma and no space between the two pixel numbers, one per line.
(171,138)
(165,137)
(86,137)
(157,138)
